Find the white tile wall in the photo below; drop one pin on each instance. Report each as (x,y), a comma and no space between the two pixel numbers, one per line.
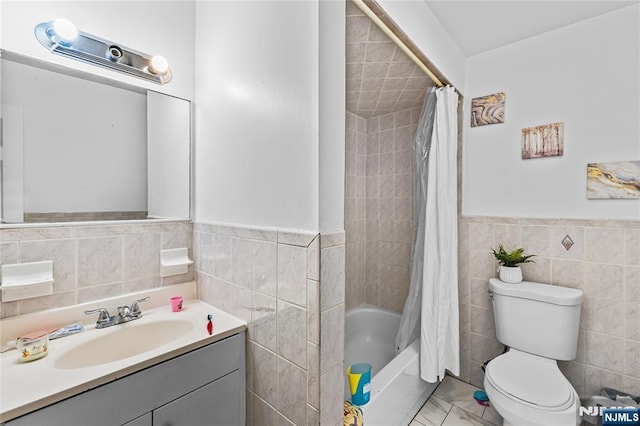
(379,226)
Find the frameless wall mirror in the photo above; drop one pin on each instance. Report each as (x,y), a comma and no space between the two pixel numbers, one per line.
(77,147)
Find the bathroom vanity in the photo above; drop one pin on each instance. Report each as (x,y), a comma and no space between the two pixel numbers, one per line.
(94,378)
(204,386)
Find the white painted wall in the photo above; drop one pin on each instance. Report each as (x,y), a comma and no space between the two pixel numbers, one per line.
(585,75)
(257,155)
(154,27)
(418,21)
(332,115)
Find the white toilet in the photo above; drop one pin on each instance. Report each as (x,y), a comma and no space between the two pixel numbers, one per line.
(540,324)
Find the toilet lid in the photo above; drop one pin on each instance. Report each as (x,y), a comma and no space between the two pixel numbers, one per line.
(532,379)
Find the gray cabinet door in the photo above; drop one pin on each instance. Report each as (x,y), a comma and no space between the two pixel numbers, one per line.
(220,403)
(146,420)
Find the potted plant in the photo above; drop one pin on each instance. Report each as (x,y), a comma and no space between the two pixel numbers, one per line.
(510,271)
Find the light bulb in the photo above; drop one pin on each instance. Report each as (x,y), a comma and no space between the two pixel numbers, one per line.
(159,65)
(65,31)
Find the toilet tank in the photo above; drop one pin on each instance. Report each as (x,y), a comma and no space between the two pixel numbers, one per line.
(540,319)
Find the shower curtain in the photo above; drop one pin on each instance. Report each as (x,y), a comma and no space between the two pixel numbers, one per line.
(431,309)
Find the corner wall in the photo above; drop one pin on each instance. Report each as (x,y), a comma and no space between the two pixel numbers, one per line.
(289,288)
(586,75)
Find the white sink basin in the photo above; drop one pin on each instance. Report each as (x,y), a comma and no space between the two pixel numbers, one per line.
(123,341)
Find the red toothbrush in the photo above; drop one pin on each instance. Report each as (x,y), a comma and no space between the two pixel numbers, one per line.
(210,324)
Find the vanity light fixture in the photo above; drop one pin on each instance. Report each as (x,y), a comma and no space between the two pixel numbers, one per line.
(61,37)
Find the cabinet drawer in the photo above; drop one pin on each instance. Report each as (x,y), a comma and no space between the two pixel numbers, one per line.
(217,404)
(130,397)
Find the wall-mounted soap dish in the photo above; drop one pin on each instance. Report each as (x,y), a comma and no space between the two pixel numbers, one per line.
(174,262)
(26,280)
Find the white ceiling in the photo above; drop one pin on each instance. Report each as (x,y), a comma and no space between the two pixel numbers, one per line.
(479,26)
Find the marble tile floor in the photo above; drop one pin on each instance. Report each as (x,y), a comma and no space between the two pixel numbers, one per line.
(452,404)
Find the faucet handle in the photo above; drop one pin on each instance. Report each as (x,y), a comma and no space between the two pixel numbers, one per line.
(135,308)
(102,318)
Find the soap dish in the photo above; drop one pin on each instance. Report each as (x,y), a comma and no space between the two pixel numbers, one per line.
(174,262)
(26,280)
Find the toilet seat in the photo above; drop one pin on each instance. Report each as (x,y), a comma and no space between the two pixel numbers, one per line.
(531,380)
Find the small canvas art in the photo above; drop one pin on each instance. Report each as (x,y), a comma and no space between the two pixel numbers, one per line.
(613,180)
(543,141)
(487,110)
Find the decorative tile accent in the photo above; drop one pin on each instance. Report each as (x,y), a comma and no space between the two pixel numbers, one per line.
(567,242)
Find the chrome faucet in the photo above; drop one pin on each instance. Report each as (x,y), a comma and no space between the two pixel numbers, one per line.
(125,314)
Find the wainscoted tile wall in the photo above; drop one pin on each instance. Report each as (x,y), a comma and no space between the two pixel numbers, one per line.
(387,208)
(92,262)
(604,262)
(354,209)
(272,279)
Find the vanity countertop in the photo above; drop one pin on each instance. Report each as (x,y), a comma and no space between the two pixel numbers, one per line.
(26,387)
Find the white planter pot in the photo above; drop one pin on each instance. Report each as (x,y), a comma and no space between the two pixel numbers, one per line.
(511,274)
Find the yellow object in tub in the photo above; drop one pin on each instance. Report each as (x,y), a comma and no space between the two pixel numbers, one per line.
(352,415)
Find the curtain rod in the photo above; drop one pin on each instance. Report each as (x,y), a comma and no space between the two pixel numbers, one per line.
(367,11)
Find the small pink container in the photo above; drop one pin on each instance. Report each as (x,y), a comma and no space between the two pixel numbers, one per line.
(176,303)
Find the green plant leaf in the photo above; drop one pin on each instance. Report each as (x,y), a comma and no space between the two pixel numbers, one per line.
(512,258)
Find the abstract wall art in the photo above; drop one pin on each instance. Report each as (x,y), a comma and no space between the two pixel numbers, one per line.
(543,141)
(613,180)
(487,110)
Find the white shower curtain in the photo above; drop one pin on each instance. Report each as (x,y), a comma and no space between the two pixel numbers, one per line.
(431,309)
(439,333)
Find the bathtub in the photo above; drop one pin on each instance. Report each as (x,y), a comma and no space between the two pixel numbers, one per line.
(397,392)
